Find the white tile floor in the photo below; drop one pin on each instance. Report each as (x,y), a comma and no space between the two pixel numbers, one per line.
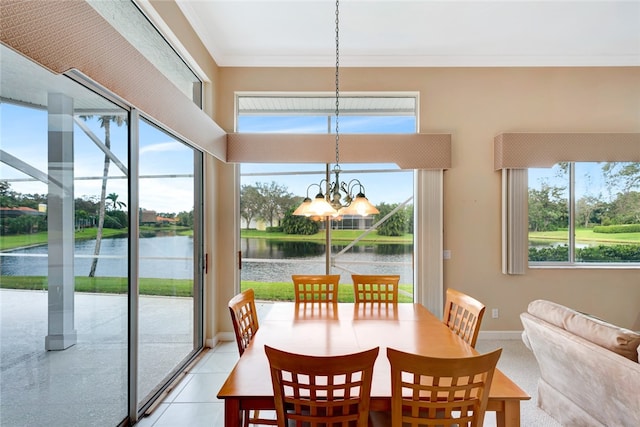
(193,402)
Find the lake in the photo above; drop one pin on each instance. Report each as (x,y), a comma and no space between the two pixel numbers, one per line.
(263,260)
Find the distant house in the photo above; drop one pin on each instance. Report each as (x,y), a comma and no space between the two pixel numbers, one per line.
(22,210)
(148,217)
(152,218)
(163,220)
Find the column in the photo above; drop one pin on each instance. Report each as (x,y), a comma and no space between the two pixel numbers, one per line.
(60,220)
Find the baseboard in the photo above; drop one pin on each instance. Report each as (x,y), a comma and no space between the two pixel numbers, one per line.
(500,335)
(221,336)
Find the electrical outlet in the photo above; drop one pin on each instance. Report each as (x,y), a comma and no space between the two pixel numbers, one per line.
(494,313)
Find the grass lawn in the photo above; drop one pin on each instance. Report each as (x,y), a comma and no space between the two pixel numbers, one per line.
(283,291)
(587,236)
(279,291)
(336,235)
(105,285)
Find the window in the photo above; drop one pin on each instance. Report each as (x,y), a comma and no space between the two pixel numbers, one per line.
(584,212)
(582,173)
(272,251)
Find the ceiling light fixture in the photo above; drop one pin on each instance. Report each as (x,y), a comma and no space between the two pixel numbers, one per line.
(332,204)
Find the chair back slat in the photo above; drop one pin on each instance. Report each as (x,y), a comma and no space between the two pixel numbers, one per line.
(463,315)
(321,391)
(244,317)
(375,288)
(430,391)
(316,288)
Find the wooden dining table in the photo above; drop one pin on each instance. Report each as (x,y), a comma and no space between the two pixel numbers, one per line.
(341,328)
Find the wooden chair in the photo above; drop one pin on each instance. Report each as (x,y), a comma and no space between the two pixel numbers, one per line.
(463,315)
(327,391)
(428,391)
(245,325)
(315,288)
(375,288)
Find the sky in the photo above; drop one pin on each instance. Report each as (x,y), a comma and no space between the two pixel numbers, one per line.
(589,180)
(389,187)
(23,134)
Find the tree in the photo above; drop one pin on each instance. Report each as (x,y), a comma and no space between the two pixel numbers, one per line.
(185,219)
(589,210)
(105,123)
(622,176)
(396,224)
(275,201)
(625,209)
(7,196)
(250,202)
(547,208)
(115,203)
(88,204)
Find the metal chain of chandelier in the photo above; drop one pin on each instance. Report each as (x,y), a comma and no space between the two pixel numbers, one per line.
(339,199)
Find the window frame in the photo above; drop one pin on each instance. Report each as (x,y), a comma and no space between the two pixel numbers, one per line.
(514,153)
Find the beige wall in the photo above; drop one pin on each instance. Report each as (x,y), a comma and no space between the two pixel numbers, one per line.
(475,105)
(220,221)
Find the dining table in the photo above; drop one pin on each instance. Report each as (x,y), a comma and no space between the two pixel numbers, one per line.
(329,329)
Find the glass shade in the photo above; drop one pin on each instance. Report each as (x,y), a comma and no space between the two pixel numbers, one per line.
(360,206)
(320,207)
(303,208)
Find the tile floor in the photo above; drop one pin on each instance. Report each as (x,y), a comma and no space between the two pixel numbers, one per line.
(193,402)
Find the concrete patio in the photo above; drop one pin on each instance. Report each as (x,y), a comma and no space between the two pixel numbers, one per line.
(86,384)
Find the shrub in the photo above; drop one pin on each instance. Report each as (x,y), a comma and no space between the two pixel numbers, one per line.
(111,222)
(600,253)
(555,253)
(292,224)
(623,228)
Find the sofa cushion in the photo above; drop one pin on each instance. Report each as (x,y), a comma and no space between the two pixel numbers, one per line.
(619,340)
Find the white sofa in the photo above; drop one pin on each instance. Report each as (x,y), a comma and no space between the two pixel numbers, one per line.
(589,370)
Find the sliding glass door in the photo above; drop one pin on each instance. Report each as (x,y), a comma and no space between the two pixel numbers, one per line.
(169,254)
(100,253)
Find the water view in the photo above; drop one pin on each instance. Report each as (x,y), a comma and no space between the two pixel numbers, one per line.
(272,261)
(168,257)
(263,260)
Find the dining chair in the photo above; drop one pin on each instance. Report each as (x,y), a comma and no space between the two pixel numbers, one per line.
(375,288)
(244,318)
(463,315)
(430,391)
(314,288)
(327,391)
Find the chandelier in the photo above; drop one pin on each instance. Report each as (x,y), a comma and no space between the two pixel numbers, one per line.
(339,199)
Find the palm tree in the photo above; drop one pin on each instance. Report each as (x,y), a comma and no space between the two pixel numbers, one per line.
(115,203)
(105,123)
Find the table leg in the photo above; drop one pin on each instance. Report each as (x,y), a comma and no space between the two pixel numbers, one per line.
(510,416)
(232,413)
